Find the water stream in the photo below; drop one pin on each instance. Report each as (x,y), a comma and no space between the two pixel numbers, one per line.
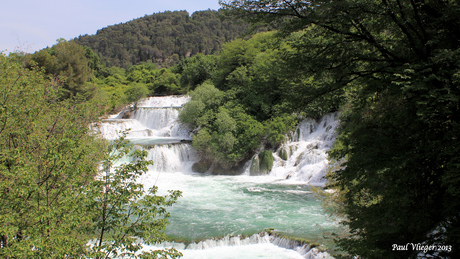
(222,215)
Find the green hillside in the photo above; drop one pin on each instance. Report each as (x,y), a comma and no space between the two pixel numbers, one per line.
(162,38)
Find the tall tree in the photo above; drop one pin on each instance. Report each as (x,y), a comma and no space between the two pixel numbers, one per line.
(54,198)
(399,63)
(195,70)
(70,64)
(124,214)
(47,158)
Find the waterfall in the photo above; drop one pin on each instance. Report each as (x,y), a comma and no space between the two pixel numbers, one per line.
(218,215)
(165,101)
(152,118)
(231,241)
(286,247)
(162,120)
(113,128)
(304,156)
(172,157)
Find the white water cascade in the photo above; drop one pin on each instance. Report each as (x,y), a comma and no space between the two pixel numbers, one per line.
(222,216)
(305,154)
(151,121)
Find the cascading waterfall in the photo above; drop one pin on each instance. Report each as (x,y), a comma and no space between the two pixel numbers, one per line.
(151,119)
(162,120)
(227,212)
(113,128)
(172,157)
(304,157)
(285,248)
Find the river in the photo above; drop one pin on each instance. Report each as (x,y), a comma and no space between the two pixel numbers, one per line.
(223,216)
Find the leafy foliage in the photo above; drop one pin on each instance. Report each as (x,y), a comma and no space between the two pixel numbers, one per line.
(124,86)
(262,73)
(196,70)
(396,62)
(53,199)
(69,64)
(162,38)
(124,215)
(47,159)
(226,134)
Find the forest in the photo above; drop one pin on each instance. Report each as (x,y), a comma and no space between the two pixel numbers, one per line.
(162,38)
(397,64)
(391,68)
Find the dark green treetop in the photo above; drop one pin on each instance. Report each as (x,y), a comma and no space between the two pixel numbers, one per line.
(397,62)
(162,38)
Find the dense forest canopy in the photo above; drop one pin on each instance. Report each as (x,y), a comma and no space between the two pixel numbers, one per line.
(398,150)
(162,38)
(250,98)
(390,66)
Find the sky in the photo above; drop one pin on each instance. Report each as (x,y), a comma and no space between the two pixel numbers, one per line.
(31,25)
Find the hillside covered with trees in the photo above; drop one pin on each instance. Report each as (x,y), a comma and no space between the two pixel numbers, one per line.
(162,38)
(390,67)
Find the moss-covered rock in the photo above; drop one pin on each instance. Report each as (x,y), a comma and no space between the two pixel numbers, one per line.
(262,163)
(225,170)
(283,154)
(201,166)
(266,161)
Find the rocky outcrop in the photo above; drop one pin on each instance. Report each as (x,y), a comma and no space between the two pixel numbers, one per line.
(201,166)
(262,164)
(206,166)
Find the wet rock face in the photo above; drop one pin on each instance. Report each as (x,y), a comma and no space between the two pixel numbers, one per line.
(206,166)
(235,170)
(266,161)
(283,154)
(126,114)
(201,166)
(262,164)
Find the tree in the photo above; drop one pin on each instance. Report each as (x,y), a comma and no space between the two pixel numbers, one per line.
(136,92)
(196,70)
(47,159)
(253,72)
(166,82)
(71,65)
(54,198)
(162,38)
(124,215)
(226,135)
(397,62)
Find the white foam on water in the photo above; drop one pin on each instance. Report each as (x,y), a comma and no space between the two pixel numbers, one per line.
(214,206)
(255,246)
(307,158)
(153,118)
(164,101)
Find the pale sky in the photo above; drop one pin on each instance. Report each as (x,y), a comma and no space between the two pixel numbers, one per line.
(31,25)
